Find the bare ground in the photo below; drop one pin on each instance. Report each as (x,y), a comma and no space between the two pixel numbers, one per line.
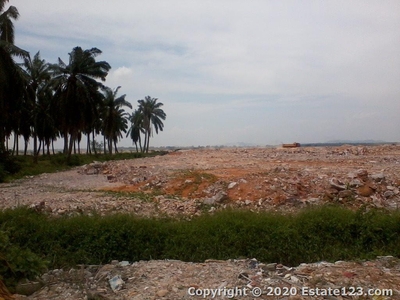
(191,182)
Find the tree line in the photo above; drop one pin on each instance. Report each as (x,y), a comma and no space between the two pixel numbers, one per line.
(67,100)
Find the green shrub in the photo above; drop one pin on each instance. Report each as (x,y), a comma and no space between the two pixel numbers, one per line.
(8,165)
(17,262)
(325,233)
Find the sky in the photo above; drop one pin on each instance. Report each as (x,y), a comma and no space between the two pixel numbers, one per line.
(229,71)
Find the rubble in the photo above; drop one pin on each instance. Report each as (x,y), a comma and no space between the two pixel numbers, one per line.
(191,182)
(182,182)
(173,279)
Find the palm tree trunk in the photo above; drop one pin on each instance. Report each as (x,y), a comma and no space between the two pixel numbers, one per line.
(148,142)
(17,145)
(35,152)
(71,144)
(88,150)
(26,146)
(40,146)
(2,138)
(94,144)
(115,146)
(15,142)
(65,143)
(140,143)
(52,146)
(109,141)
(145,142)
(104,144)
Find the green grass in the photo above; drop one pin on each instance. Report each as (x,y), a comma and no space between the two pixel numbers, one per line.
(58,162)
(30,240)
(326,233)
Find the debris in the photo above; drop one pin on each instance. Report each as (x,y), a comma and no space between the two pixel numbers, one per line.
(116,283)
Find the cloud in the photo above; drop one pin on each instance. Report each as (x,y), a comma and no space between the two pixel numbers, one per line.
(283,66)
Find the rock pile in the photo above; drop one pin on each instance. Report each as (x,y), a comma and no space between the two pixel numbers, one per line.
(171,279)
(191,182)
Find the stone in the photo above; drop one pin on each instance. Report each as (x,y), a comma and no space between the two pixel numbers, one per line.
(162,293)
(378,176)
(365,191)
(337,184)
(116,283)
(232,185)
(124,263)
(388,194)
(345,194)
(269,267)
(355,183)
(28,288)
(362,174)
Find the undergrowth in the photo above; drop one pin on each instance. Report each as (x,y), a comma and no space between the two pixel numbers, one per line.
(15,167)
(324,233)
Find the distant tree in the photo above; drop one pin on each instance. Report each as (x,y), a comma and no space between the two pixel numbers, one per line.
(114,117)
(76,90)
(134,132)
(152,116)
(37,101)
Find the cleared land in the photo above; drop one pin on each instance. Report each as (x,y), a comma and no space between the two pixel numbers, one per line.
(192,182)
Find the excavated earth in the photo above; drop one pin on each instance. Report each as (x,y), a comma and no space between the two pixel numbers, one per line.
(187,183)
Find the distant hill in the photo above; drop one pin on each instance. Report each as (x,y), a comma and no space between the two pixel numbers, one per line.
(348,142)
(356,142)
(240,144)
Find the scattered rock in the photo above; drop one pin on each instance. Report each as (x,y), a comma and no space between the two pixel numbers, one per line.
(116,283)
(162,293)
(365,191)
(171,279)
(345,193)
(335,183)
(232,185)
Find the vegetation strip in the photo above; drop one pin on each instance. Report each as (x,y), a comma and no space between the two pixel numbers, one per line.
(325,233)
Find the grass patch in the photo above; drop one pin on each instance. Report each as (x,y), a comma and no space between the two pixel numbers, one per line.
(325,233)
(58,162)
(195,176)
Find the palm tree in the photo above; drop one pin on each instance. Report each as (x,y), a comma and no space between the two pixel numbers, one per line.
(136,119)
(152,116)
(38,98)
(11,82)
(114,117)
(76,90)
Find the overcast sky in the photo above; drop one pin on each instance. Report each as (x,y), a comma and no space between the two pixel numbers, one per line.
(261,72)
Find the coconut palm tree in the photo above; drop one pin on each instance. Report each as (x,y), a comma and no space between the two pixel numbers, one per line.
(38,97)
(114,117)
(11,82)
(76,90)
(152,116)
(136,119)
